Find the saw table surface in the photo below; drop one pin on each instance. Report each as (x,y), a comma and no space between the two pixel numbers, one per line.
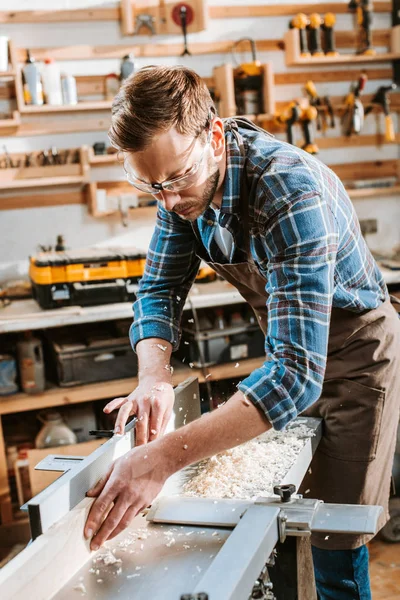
(160,562)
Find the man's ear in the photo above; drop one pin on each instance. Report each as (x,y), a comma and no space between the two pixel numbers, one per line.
(218,139)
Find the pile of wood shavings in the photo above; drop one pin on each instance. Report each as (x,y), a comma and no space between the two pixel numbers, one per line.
(251,469)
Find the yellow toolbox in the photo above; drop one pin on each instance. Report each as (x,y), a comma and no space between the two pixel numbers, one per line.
(86,277)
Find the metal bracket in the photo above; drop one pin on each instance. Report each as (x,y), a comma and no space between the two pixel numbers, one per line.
(144,20)
(59,462)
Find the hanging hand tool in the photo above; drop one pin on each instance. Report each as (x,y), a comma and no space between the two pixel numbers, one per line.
(353,117)
(144,20)
(248,78)
(364,10)
(289,117)
(382,98)
(183,16)
(300,22)
(314,27)
(307,116)
(329,34)
(323,106)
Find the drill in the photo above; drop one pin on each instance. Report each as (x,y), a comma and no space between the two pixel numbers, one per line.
(300,22)
(364,10)
(309,115)
(382,98)
(289,117)
(323,106)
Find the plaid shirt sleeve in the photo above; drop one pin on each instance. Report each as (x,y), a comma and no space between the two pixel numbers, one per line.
(301,244)
(171,268)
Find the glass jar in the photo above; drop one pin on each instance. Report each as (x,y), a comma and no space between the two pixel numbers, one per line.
(54,431)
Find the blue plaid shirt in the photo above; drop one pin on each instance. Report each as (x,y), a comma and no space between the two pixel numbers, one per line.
(305,239)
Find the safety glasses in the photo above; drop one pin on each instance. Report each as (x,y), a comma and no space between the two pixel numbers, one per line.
(176,184)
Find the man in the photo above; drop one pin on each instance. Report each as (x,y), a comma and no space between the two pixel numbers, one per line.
(278,224)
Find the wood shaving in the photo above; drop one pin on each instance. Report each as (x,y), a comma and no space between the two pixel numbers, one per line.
(107,558)
(80,588)
(251,469)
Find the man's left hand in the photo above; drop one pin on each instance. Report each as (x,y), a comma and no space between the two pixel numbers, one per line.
(130,485)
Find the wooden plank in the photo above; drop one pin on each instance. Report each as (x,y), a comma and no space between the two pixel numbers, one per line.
(373,169)
(42,182)
(366,193)
(141,51)
(80,107)
(54,16)
(39,200)
(215,12)
(355,141)
(329,76)
(50,561)
(279,10)
(48,127)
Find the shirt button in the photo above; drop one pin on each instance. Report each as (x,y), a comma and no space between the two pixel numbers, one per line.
(210,222)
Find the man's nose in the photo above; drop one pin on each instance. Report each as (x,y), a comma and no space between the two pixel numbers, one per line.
(169,199)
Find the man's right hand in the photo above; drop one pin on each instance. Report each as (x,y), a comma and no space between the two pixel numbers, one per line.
(152,402)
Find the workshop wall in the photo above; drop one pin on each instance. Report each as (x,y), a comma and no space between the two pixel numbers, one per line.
(21,231)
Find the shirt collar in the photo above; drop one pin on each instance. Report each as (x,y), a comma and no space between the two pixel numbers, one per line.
(234,170)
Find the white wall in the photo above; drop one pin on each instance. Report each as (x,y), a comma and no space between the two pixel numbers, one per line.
(22,230)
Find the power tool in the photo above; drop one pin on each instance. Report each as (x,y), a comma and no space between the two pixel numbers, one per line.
(309,115)
(288,118)
(323,106)
(300,22)
(248,79)
(314,28)
(329,35)
(382,98)
(364,10)
(353,116)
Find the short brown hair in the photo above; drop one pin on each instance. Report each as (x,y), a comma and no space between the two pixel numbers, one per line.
(154,100)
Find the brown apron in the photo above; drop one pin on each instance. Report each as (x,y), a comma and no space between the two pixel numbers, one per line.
(359,403)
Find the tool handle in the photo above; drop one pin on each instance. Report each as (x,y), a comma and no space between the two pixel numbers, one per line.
(390,135)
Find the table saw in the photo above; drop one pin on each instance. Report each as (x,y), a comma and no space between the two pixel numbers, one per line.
(184,548)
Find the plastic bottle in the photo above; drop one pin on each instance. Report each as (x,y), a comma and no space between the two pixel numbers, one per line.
(8,375)
(31,365)
(54,432)
(127,66)
(69,91)
(52,82)
(33,89)
(21,468)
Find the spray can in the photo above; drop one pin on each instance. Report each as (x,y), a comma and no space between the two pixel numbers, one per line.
(127,66)
(33,89)
(69,92)
(31,365)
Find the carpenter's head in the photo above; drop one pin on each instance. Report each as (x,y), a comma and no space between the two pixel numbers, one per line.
(171,141)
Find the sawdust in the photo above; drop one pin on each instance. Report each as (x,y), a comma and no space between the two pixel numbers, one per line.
(251,469)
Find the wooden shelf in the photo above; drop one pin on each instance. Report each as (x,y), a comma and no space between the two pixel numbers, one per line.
(215,12)
(373,192)
(7,74)
(102,159)
(42,182)
(57,396)
(80,107)
(294,59)
(10,126)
